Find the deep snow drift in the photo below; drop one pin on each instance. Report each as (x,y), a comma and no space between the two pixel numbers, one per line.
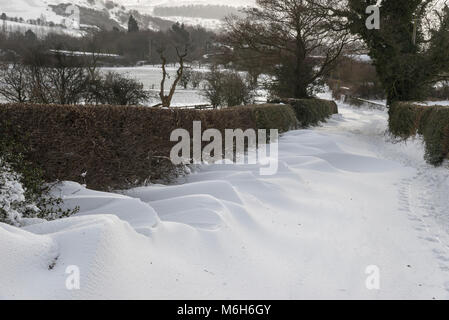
(344,199)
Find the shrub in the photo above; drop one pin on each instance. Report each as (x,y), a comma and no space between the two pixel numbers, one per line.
(310,112)
(281,117)
(228,88)
(236,90)
(186,77)
(407,119)
(196,79)
(23,192)
(403,120)
(435,129)
(212,89)
(12,196)
(68,83)
(115,89)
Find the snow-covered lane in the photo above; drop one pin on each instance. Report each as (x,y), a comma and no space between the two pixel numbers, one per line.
(344,199)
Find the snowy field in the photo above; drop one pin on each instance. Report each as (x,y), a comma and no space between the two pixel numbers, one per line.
(345,199)
(40,31)
(151,77)
(209,24)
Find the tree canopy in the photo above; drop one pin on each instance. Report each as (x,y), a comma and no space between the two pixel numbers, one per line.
(293,39)
(410,50)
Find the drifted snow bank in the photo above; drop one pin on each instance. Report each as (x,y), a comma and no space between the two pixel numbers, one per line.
(343,199)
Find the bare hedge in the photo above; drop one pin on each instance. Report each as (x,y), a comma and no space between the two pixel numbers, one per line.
(120,146)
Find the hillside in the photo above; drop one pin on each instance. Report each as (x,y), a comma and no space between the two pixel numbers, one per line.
(206,13)
(105,14)
(147,6)
(98,13)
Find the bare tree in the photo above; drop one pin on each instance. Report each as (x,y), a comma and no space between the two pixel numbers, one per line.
(15,82)
(67,80)
(58,79)
(166,99)
(293,38)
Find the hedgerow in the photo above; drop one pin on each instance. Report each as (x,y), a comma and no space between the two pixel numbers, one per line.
(432,122)
(310,112)
(120,147)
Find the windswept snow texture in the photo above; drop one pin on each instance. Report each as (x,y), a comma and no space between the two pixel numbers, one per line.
(344,199)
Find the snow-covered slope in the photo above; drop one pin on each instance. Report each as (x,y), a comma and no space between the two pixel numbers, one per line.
(33,9)
(154,3)
(147,7)
(108,14)
(344,202)
(100,13)
(39,31)
(27,9)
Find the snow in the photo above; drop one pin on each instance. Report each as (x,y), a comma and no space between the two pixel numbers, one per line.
(139,214)
(209,24)
(444,103)
(150,76)
(33,9)
(84,53)
(30,9)
(345,198)
(12,194)
(361,58)
(39,31)
(148,6)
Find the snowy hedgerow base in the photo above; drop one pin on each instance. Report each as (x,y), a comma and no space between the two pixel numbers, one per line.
(13,203)
(406,119)
(18,204)
(24,195)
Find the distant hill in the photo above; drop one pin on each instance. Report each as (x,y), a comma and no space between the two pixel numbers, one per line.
(93,13)
(176,3)
(108,14)
(197,11)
